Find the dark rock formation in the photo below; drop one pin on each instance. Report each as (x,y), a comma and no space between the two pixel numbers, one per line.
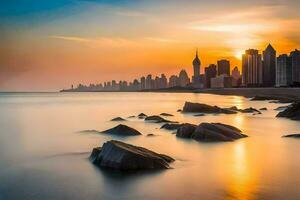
(118,119)
(132,116)
(122,130)
(199,115)
(166,114)
(170,126)
(263,108)
(125,157)
(156,119)
(275,99)
(280,108)
(186,130)
(210,132)
(142,115)
(291,112)
(292,135)
(250,110)
(204,108)
(179,110)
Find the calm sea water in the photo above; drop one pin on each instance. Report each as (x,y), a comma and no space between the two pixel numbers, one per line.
(43,155)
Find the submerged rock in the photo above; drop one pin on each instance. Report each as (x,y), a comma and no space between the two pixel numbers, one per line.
(204,108)
(142,115)
(291,112)
(132,116)
(280,108)
(275,99)
(210,132)
(126,157)
(292,135)
(170,126)
(166,114)
(156,119)
(199,115)
(150,135)
(179,110)
(263,108)
(118,119)
(122,130)
(250,110)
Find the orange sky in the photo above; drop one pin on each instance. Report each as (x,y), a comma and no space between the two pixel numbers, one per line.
(95,42)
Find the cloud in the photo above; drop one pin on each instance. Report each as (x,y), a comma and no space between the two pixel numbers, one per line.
(70,38)
(164,40)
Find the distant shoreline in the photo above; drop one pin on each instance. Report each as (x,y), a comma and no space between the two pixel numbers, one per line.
(277,93)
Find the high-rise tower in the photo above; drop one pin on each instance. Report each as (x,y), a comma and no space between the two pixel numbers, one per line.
(196,66)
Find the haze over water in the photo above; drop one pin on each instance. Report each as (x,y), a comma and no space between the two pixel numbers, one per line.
(44,155)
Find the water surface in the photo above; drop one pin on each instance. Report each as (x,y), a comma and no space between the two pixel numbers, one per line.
(44,155)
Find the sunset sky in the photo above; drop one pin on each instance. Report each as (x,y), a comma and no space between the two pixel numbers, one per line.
(47,45)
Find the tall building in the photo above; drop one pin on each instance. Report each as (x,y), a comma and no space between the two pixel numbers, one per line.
(252,74)
(148,83)
(223,67)
(210,72)
(295,62)
(163,81)
(143,83)
(236,77)
(222,81)
(173,81)
(183,78)
(196,67)
(269,66)
(283,71)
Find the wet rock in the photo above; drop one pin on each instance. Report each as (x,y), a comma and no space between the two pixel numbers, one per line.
(250,110)
(142,115)
(210,132)
(292,135)
(156,119)
(199,115)
(166,114)
(280,108)
(275,99)
(132,116)
(126,157)
(170,126)
(150,135)
(122,130)
(118,119)
(291,112)
(204,108)
(179,110)
(186,130)
(263,108)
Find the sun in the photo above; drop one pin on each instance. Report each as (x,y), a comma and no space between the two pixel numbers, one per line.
(238,54)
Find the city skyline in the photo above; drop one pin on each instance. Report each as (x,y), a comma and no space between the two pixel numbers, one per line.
(75,41)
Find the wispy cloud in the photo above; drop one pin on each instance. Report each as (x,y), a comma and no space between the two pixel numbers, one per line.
(70,38)
(166,40)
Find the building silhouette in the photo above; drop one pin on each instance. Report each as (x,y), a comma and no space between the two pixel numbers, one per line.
(223,67)
(184,79)
(148,82)
(283,71)
(252,74)
(196,69)
(173,81)
(269,66)
(210,72)
(295,62)
(236,77)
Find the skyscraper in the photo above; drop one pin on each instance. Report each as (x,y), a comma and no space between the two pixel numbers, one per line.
(196,67)
(183,78)
(236,73)
(295,62)
(149,83)
(210,72)
(173,81)
(283,71)
(143,83)
(269,66)
(223,67)
(252,74)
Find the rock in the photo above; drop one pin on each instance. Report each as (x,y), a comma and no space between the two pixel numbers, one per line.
(186,130)
(132,116)
(291,112)
(292,135)
(210,132)
(122,130)
(179,110)
(204,108)
(150,135)
(166,114)
(156,119)
(199,115)
(142,115)
(126,157)
(170,126)
(275,99)
(118,119)
(90,131)
(263,108)
(250,110)
(280,108)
